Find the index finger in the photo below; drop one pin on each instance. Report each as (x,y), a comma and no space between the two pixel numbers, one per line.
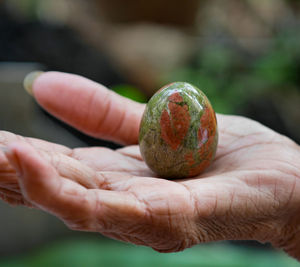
(79,207)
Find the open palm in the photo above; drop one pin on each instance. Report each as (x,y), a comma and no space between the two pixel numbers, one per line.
(251,191)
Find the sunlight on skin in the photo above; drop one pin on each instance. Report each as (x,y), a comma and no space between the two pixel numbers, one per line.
(251,191)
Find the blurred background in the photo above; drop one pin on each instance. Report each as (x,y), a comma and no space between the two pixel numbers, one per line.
(245,56)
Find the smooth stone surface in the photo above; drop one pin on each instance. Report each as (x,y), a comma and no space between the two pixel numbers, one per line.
(178,132)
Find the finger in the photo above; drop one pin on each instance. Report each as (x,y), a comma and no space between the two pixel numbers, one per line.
(8,137)
(43,187)
(10,194)
(56,155)
(81,172)
(92,210)
(72,169)
(104,159)
(88,106)
(104,175)
(8,177)
(13,199)
(7,173)
(91,168)
(12,186)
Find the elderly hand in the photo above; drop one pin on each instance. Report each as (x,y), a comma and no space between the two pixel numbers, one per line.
(251,191)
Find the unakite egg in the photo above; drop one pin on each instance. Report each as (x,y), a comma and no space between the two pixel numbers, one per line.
(178,132)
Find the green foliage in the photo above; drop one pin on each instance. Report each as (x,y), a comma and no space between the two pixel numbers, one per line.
(26,8)
(102,253)
(130,92)
(231,76)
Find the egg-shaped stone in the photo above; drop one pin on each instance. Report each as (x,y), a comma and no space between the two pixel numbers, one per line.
(178,132)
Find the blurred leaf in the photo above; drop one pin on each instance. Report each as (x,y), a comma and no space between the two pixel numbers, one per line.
(102,253)
(276,67)
(25,8)
(231,77)
(130,92)
(216,59)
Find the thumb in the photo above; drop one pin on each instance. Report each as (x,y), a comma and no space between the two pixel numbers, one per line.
(87,106)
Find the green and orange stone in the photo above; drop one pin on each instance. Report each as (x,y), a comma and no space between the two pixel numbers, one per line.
(178,132)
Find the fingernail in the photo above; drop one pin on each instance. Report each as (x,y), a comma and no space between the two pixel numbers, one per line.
(29,80)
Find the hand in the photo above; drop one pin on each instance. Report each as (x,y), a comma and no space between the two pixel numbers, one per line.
(251,191)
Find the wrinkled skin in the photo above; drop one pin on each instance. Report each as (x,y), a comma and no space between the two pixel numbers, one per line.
(251,191)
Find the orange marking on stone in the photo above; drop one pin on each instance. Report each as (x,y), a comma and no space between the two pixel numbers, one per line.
(175,126)
(199,168)
(176,97)
(208,125)
(189,157)
(206,136)
(166,129)
(202,165)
